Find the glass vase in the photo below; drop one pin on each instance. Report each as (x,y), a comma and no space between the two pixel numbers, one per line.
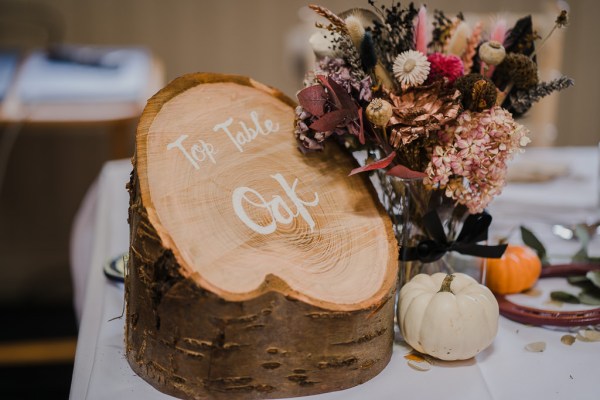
(407,202)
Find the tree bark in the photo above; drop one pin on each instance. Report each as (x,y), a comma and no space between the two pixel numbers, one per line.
(190,336)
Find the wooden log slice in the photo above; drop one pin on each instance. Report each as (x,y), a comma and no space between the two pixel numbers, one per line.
(255,271)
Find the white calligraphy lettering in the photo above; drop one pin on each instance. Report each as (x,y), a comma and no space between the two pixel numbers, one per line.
(247,133)
(278,208)
(197,153)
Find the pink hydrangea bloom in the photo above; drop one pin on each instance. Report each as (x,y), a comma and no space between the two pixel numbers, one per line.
(471,161)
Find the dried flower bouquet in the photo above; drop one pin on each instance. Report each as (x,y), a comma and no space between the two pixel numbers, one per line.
(437,104)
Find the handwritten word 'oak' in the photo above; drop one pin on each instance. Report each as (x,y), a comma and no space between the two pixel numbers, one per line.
(280,211)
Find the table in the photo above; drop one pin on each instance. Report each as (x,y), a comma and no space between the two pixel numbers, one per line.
(503,371)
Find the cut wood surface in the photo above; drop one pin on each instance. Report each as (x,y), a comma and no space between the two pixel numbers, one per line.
(254,270)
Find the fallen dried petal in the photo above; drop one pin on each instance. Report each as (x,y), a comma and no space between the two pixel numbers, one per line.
(419,365)
(568,339)
(536,347)
(588,335)
(554,303)
(415,357)
(533,292)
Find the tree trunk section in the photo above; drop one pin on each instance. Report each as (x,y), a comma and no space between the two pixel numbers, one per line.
(254,271)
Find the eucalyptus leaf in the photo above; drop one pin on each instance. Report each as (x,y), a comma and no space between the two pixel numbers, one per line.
(581,255)
(532,241)
(594,277)
(578,280)
(583,235)
(590,297)
(564,297)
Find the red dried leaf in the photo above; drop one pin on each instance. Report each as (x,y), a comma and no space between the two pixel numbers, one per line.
(332,120)
(401,171)
(340,96)
(313,99)
(361,133)
(384,162)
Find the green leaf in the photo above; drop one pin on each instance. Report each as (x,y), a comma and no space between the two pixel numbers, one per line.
(594,277)
(577,279)
(564,297)
(583,235)
(580,256)
(580,280)
(532,241)
(590,297)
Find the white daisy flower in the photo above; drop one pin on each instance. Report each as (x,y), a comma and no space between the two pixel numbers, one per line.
(411,68)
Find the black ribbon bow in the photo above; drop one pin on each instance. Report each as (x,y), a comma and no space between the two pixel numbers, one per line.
(475,229)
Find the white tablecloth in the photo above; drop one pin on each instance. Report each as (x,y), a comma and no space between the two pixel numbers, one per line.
(503,371)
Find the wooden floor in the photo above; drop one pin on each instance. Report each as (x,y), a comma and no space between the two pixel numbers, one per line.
(40,351)
(37,349)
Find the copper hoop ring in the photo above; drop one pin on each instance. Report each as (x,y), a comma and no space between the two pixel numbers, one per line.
(535,316)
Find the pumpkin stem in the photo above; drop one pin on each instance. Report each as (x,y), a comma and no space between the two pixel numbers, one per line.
(446,284)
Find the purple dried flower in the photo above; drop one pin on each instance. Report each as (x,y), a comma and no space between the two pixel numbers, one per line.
(340,72)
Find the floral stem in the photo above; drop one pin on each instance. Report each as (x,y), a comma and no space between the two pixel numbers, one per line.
(542,43)
(483,68)
(385,138)
(560,22)
(447,265)
(544,40)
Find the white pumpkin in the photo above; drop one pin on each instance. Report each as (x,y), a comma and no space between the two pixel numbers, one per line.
(450,317)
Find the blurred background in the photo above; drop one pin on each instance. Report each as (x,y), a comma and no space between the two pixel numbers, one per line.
(62,118)
(256,38)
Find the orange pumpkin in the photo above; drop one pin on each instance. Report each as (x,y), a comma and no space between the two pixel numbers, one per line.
(517,270)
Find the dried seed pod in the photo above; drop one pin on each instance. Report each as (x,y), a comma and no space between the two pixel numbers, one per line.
(518,69)
(492,52)
(379,112)
(478,92)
